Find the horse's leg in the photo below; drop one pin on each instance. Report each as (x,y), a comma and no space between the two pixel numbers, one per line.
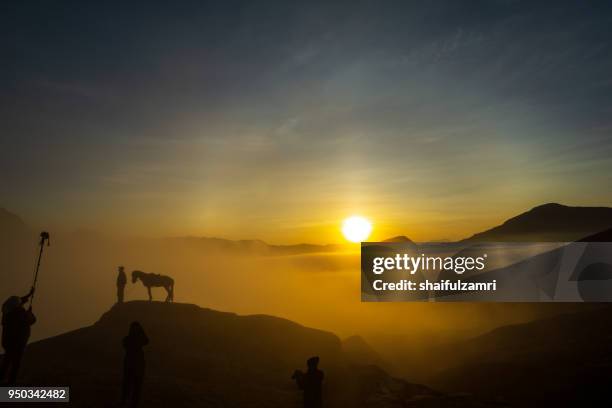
(171,294)
(167,293)
(150,296)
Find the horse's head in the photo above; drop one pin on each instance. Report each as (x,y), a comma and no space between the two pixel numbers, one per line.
(135,275)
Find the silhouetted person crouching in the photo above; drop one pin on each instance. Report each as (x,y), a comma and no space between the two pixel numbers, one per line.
(121,282)
(16,322)
(133,365)
(311,383)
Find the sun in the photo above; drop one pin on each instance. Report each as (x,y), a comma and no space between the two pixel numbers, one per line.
(356,228)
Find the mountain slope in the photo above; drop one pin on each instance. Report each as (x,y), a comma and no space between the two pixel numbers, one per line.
(550,222)
(560,361)
(357,351)
(602,236)
(200,357)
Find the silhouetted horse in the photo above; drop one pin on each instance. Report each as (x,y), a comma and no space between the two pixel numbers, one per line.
(154,280)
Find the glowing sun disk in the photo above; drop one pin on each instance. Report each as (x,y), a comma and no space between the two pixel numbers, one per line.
(356,228)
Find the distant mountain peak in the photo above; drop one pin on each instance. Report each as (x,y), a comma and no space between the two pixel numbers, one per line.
(254,246)
(399,238)
(550,222)
(549,205)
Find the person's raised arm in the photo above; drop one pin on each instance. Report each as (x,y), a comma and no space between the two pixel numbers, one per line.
(27,297)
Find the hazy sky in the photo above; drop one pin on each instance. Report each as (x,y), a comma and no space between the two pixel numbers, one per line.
(275,120)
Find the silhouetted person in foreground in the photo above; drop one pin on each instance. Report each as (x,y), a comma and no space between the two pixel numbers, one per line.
(133,365)
(121,282)
(16,322)
(311,383)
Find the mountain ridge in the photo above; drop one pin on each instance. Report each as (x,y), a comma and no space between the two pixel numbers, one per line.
(549,222)
(501,361)
(200,357)
(254,246)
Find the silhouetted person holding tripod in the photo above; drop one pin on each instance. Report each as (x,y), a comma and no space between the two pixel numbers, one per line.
(121,282)
(311,383)
(133,365)
(16,323)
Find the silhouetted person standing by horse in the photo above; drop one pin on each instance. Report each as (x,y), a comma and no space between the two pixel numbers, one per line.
(311,382)
(133,365)
(121,282)
(16,323)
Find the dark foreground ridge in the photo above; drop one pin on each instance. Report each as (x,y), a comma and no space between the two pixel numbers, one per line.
(562,361)
(205,358)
